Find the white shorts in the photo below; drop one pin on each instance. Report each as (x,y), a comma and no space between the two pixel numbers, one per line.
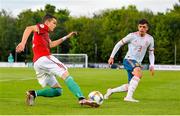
(47,67)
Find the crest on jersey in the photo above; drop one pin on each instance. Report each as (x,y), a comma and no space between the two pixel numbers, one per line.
(41,25)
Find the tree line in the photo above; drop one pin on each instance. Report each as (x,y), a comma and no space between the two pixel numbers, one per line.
(97,35)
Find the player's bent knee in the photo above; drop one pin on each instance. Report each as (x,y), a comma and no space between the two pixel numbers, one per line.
(58,91)
(126,87)
(137,72)
(65,75)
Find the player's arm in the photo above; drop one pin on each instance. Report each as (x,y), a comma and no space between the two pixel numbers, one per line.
(123,41)
(59,41)
(26,34)
(151,57)
(151,60)
(115,49)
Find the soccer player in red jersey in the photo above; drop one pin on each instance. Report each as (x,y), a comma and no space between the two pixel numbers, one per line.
(46,65)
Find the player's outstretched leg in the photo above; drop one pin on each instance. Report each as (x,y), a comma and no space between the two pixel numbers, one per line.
(132,87)
(30,97)
(49,92)
(45,92)
(110,91)
(75,89)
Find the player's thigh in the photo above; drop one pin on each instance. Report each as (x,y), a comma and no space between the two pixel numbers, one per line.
(128,64)
(52,66)
(48,80)
(57,67)
(132,67)
(52,82)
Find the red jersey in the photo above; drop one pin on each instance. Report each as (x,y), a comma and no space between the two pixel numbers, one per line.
(41,42)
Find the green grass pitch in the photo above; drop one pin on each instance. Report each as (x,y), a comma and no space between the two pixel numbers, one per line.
(158,95)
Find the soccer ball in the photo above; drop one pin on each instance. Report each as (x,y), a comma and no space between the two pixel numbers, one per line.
(96,96)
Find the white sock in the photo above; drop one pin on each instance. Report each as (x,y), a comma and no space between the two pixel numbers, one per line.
(132,86)
(121,88)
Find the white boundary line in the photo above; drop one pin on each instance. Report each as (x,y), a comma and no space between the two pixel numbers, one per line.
(4,80)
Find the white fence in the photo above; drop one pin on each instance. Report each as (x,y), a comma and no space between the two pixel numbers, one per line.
(97,65)
(7,64)
(167,67)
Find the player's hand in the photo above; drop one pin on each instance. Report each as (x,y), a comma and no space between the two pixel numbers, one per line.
(151,69)
(111,61)
(20,47)
(72,34)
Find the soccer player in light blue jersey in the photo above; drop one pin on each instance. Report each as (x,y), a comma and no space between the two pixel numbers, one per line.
(138,43)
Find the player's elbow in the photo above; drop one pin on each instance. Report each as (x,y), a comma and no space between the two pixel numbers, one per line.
(151,52)
(51,45)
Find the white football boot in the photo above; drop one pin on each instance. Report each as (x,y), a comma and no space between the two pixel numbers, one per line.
(30,97)
(130,99)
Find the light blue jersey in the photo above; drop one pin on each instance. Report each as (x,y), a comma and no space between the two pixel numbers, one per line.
(137,45)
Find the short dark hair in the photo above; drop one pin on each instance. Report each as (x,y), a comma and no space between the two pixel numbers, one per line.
(48,17)
(143,21)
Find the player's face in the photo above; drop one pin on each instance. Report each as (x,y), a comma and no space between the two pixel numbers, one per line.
(52,24)
(143,28)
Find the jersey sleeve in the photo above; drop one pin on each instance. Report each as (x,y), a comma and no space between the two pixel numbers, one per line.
(151,46)
(127,39)
(123,41)
(42,28)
